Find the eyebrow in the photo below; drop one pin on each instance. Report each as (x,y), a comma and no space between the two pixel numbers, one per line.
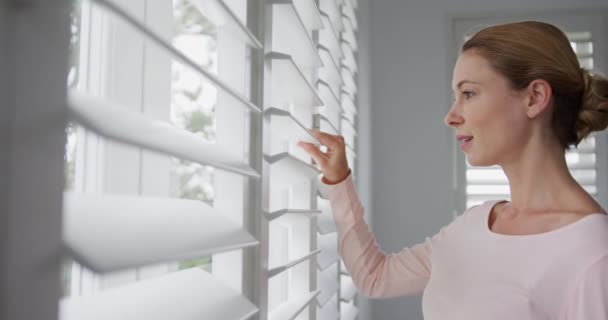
(465,81)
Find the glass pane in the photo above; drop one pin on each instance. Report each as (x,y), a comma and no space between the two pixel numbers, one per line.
(192,181)
(193,103)
(69,167)
(193,100)
(203,263)
(72,80)
(70,156)
(73,70)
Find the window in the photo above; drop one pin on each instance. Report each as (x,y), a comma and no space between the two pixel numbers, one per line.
(184,188)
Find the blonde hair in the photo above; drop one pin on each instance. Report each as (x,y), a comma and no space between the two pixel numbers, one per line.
(530,50)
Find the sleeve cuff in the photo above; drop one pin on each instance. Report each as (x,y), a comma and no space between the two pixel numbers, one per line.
(330,183)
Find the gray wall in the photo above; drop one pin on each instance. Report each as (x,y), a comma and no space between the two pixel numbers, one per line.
(406,183)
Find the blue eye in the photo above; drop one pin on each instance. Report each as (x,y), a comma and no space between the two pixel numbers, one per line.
(468,94)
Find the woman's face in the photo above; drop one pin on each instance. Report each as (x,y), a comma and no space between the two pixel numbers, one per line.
(488,116)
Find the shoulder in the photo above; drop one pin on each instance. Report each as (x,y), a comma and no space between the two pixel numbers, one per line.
(589,299)
(472,216)
(595,230)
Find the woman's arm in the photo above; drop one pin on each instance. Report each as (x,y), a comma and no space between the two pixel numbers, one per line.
(375,273)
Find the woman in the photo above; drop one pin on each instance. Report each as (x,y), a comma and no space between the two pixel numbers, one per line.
(521,99)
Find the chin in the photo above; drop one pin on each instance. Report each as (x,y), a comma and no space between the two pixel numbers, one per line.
(477,161)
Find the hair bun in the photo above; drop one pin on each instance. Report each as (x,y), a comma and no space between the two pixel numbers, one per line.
(593,115)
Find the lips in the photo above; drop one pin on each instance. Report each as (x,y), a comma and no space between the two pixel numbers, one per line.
(463,138)
(465,141)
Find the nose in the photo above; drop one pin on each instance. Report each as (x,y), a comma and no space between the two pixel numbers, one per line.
(453,118)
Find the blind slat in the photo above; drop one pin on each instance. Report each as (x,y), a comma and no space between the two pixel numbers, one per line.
(330,72)
(121,124)
(157,298)
(308,12)
(347,103)
(286,169)
(348,106)
(348,34)
(289,85)
(348,12)
(278,213)
(330,39)
(349,311)
(112,232)
(349,83)
(332,108)
(331,9)
(347,288)
(284,123)
(349,57)
(278,269)
(325,221)
(327,281)
(326,125)
(329,250)
(348,130)
(292,308)
(289,35)
(330,309)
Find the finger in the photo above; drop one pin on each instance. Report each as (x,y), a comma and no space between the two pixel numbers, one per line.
(314,152)
(326,138)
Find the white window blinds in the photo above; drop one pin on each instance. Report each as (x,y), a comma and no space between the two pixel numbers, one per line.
(186,155)
(123,229)
(491,183)
(338,89)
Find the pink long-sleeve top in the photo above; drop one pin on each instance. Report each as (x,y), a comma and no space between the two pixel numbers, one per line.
(468,272)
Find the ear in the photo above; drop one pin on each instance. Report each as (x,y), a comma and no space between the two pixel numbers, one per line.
(538,97)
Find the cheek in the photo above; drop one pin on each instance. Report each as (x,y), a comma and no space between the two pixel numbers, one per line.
(499,123)
(496,123)
(485,114)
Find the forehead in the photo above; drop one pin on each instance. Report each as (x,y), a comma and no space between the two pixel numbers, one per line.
(472,66)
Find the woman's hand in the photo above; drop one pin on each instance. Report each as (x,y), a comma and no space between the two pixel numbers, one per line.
(333,163)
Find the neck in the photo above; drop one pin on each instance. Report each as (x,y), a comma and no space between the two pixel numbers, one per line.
(540,181)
